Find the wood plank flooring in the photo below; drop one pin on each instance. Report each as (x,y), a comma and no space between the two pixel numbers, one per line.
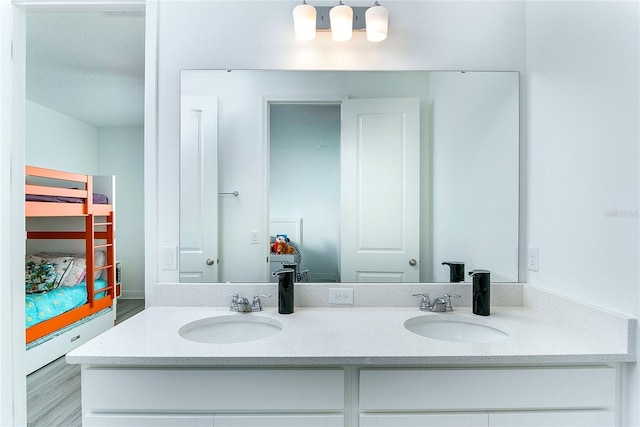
(53,391)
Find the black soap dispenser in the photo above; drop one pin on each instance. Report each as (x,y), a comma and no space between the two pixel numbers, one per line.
(456,272)
(285,290)
(481,292)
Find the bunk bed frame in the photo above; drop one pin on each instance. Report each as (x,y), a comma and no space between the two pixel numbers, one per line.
(70,329)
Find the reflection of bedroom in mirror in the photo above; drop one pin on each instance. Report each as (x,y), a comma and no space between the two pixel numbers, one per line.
(345,172)
(304,188)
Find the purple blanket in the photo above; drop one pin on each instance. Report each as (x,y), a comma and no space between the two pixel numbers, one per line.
(98,199)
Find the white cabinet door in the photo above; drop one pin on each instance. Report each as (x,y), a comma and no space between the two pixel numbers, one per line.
(424,420)
(553,419)
(279,421)
(380,190)
(147,420)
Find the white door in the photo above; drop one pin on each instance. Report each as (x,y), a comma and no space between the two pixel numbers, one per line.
(199,189)
(380,197)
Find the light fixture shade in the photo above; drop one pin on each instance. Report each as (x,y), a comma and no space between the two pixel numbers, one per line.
(341,18)
(304,22)
(377,22)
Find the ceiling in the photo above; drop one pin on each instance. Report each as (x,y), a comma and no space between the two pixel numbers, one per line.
(88,65)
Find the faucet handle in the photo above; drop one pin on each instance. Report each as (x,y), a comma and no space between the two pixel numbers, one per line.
(447,301)
(425,303)
(257,303)
(234,301)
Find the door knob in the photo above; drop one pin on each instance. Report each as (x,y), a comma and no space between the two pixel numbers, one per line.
(413,262)
(209,261)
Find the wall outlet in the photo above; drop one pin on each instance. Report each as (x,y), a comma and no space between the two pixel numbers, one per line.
(533,261)
(340,295)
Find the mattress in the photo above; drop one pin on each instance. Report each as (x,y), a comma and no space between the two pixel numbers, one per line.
(98,199)
(44,306)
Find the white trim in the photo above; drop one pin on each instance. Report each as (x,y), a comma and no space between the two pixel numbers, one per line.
(132,295)
(151,151)
(81,5)
(13,406)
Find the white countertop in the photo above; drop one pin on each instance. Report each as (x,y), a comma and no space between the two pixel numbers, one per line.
(355,335)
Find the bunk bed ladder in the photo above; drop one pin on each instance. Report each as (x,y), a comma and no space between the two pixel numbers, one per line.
(102,232)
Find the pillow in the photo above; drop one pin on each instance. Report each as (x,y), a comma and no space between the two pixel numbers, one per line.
(78,272)
(61,262)
(39,277)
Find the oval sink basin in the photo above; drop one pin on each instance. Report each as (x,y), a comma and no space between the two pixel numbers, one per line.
(458,329)
(230,329)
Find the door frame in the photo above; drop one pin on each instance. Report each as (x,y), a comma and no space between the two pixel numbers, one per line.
(13,24)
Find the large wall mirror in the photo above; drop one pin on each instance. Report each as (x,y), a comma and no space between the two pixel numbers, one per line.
(348,176)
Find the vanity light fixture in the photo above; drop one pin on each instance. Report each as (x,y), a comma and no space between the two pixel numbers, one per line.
(304,21)
(341,20)
(377,22)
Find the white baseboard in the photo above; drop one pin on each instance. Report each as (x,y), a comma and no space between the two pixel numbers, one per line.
(137,294)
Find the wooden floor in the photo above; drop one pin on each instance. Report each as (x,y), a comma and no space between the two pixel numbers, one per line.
(53,391)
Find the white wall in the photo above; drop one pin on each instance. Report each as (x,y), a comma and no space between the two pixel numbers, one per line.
(582,124)
(475,173)
(120,153)
(428,35)
(57,141)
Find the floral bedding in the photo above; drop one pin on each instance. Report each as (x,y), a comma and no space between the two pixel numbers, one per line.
(44,306)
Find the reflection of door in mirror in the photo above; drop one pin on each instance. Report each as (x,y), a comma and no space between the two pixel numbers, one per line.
(198,189)
(380,182)
(369,183)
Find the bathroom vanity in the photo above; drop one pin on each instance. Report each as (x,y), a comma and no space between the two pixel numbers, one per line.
(360,366)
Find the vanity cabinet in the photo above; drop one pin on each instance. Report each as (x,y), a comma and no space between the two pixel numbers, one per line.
(488,397)
(352,396)
(198,397)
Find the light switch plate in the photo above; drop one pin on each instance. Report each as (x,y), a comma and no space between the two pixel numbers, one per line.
(533,260)
(168,257)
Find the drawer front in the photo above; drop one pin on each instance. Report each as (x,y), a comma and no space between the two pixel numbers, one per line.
(279,420)
(487,389)
(212,390)
(424,420)
(554,419)
(147,420)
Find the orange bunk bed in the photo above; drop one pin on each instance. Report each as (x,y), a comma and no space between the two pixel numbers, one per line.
(56,194)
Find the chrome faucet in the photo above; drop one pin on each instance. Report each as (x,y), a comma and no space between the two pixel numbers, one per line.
(242,305)
(440,305)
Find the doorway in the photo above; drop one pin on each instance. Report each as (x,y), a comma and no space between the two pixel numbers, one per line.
(304,183)
(84,113)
